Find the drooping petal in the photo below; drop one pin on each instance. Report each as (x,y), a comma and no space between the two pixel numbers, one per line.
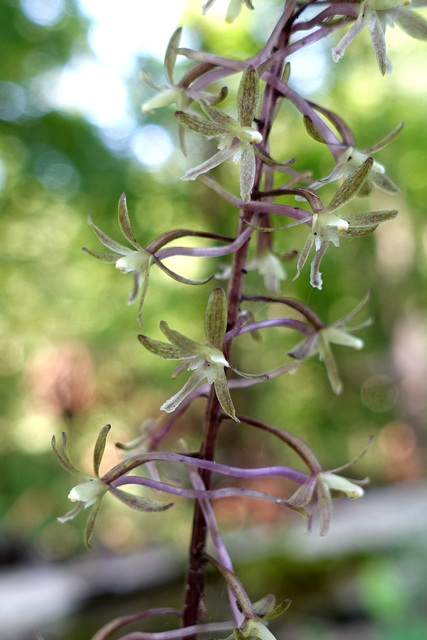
(355,29)
(70,515)
(315,275)
(91,521)
(192,383)
(223,394)
(326,356)
(305,252)
(247,173)
(376,32)
(325,504)
(209,164)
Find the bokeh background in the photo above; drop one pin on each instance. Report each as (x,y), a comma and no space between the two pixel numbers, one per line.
(72,139)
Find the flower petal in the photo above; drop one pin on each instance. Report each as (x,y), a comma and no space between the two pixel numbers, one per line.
(248,97)
(216,318)
(187,346)
(351,185)
(412,24)
(99,448)
(210,163)
(223,394)
(247,172)
(124,222)
(192,383)
(109,242)
(170,55)
(162,349)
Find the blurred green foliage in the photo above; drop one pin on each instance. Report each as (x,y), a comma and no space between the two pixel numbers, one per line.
(69,357)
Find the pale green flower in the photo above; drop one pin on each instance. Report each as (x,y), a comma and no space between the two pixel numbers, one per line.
(236,137)
(327,227)
(350,158)
(205,361)
(319,343)
(321,487)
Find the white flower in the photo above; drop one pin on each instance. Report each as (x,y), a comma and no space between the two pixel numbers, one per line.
(88,492)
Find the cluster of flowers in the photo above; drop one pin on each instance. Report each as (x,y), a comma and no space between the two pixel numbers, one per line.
(244,139)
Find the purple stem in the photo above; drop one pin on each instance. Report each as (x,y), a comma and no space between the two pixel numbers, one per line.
(226,470)
(191,630)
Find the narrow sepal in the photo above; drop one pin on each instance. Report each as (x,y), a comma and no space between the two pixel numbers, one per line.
(216,318)
(141,504)
(200,125)
(170,55)
(161,349)
(383,182)
(325,505)
(210,163)
(187,346)
(263,606)
(384,141)
(177,277)
(109,242)
(99,448)
(91,521)
(278,610)
(326,355)
(192,383)
(64,457)
(124,222)
(223,395)
(70,515)
(351,185)
(247,173)
(216,115)
(248,97)
(109,258)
